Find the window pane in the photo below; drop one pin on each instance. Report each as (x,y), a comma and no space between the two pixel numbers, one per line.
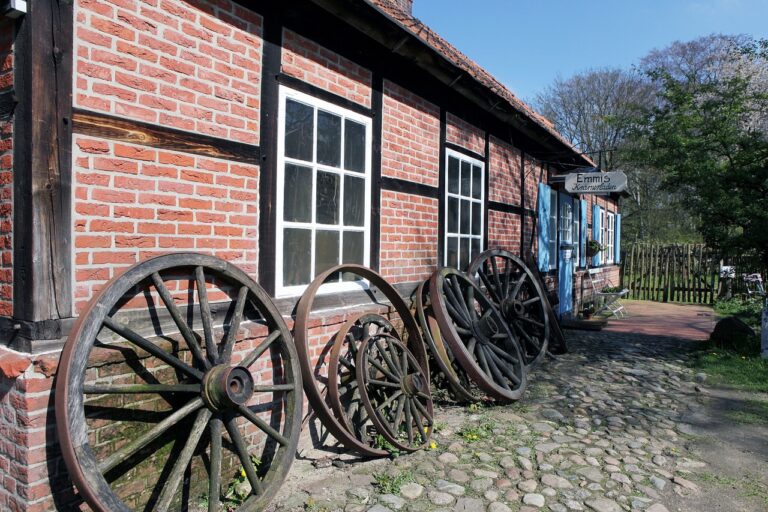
(466,178)
(475,248)
(299,125)
(466,210)
(328,139)
(354,201)
(453,252)
(298,194)
(453,175)
(353,252)
(477,182)
(296,254)
(464,253)
(354,146)
(476,218)
(326,250)
(327,201)
(453,215)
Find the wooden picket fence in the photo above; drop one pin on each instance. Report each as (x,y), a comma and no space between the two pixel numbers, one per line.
(671,273)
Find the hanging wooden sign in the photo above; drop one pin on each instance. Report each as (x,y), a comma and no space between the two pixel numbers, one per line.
(598,183)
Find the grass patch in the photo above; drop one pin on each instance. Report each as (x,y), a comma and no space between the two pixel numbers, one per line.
(746,486)
(476,432)
(748,310)
(754,412)
(733,370)
(390,484)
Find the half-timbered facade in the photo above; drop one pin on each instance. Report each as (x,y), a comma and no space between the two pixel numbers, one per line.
(283,136)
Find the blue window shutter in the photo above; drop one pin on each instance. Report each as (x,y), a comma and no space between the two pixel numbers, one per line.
(583,234)
(617,241)
(596,232)
(544,207)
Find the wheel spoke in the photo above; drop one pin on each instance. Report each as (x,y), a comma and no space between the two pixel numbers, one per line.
(471,302)
(273,387)
(153,349)
(177,473)
(383,370)
(389,400)
(399,413)
(142,388)
(481,359)
(205,313)
(264,345)
(384,383)
(408,420)
(497,376)
(173,309)
(490,287)
(242,454)
(507,277)
(471,344)
(234,325)
(518,285)
(214,475)
(424,412)
(263,425)
(531,321)
(504,355)
(131,449)
(506,370)
(394,368)
(456,314)
(459,296)
(417,419)
(495,267)
(531,301)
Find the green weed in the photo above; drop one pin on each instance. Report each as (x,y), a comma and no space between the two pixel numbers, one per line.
(391,484)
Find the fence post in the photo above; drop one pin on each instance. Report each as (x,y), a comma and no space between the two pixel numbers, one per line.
(764,331)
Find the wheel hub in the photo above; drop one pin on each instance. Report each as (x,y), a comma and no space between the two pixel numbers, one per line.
(512,309)
(485,328)
(413,384)
(226,387)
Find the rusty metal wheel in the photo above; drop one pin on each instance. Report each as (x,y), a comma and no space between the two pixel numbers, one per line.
(477,335)
(516,293)
(395,391)
(316,391)
(343,392)
(455,377)
(179,388)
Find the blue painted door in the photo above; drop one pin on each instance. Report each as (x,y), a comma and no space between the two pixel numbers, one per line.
(565,254)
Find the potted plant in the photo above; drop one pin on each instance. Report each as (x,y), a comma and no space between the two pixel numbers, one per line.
(593,247)
(587,311)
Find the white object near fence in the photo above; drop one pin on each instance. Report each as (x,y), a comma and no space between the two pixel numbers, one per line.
(764,331)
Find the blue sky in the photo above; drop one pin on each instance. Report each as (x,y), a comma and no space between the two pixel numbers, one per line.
(527,43)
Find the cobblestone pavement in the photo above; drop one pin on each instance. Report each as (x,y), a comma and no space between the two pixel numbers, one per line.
(602,428)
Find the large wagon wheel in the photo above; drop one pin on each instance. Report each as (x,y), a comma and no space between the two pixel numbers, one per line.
(343,392)
(395,391)
(317,394)
(451,370)
(477,335)
(180,369)
(516,293)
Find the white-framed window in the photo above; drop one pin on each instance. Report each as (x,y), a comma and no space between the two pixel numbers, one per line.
(566,222)
(610,227)
(576,233)
(323,192)
(464,209)
(601,232)
(553,209)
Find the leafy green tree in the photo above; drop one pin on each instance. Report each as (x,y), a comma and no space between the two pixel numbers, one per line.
(710,138)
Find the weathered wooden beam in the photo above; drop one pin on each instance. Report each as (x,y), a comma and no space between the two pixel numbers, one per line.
(107,126)
(42,221)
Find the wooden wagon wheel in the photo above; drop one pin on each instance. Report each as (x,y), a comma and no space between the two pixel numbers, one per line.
(477,335)
(517,294)
(395,392)
(316,394)
(180,368)
(451,370)
(343,392)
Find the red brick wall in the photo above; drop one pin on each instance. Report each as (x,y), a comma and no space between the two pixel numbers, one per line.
(310,62)
(504,174)
(6,173)
(504,231)
(133,202)
(460,132)
(410,147)
(409,236)
(193,66)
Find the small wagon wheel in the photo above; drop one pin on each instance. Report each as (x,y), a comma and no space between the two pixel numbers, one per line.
(477,335)
(343,393)
(451,370)
(395,391)
(517,294)
(190,355)
(315,394)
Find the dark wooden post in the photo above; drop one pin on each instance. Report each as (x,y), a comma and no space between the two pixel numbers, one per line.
(42,227)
